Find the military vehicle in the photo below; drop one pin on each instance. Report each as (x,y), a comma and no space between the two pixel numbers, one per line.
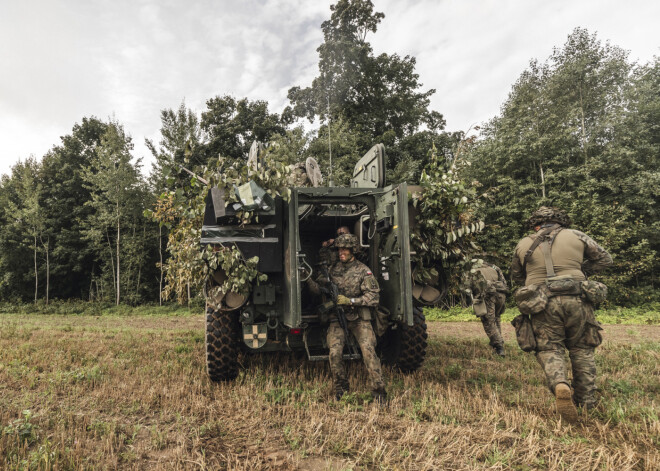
(281,314)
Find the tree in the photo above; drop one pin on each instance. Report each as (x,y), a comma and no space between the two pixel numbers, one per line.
(64,194)
(568,135)
(179,129)
(231,125)
(377,95)
(117,196)
(24,217)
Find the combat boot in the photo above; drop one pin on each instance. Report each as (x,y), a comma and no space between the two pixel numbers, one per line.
(565,406)
(499,350)
(341,388)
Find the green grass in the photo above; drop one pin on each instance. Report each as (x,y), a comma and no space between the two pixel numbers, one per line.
(74,308)
(615,315)
(120,391)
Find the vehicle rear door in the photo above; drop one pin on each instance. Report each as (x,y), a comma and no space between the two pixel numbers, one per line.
(391,234)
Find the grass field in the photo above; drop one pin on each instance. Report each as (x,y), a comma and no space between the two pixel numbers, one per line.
(131,392)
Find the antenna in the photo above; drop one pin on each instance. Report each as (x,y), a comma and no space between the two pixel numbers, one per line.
(330,182)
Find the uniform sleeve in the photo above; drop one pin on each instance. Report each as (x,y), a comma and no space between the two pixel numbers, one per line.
(516,270)
(370,291)
(596,258)
(315,283)
(313,286)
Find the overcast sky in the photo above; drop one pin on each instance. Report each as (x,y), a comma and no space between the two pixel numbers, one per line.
(128,59)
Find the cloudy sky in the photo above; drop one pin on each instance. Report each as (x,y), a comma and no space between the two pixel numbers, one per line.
(128,59)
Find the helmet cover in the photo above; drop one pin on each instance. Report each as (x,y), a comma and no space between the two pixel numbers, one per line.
(549,214)
(347,241)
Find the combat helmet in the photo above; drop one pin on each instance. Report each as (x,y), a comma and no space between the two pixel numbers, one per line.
(549,214)
(347,241)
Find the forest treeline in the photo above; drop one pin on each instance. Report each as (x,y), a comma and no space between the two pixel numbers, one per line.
(579,130)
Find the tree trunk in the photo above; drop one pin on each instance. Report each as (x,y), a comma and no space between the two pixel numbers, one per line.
(160,254)
(542,180)
(36,274)
(584,132)
(47,247)
(118,235)
(112,260)
(144,233)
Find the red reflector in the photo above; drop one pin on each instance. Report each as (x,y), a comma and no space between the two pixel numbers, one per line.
(295,331)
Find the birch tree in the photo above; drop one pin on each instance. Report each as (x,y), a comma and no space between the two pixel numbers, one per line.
(115,186)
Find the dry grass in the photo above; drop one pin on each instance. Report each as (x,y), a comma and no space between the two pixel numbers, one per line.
(132,393)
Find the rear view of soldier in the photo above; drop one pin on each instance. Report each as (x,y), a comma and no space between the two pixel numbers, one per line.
(553,264)
(488,288)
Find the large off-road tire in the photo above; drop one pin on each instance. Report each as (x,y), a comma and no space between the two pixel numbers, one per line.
(404,348)
(222,345)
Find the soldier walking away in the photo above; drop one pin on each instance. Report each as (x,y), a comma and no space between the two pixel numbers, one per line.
(489,289)
(358,295)
(553,264)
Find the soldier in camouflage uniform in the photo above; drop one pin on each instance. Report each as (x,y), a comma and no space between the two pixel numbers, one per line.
(359,295)
(488,287)
(328,251)
(567,321)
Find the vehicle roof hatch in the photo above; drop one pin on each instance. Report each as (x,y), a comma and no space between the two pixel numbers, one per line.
(369,172)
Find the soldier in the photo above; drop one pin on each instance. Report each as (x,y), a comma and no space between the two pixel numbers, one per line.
(359,295)
(327,252)
(488,288)
(560,304)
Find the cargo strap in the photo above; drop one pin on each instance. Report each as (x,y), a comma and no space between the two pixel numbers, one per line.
(539,238)
(547,253)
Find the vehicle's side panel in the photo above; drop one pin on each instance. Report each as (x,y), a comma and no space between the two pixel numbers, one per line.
(291,317)
(394,274)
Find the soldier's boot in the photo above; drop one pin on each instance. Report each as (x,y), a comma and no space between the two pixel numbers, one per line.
(380,397)
(499,350)
(565,405)
(341,388)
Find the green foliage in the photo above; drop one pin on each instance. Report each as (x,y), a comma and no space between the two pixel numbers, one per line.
(272,176)
(178,130)
(115,226)
(240,272)
(23,429)
(375,99)
(577,132)
(230,126)
(445,221)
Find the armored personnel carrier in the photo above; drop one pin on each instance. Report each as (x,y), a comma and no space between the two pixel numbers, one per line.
(281,314)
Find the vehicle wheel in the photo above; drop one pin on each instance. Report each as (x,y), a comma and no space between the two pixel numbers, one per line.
(405,348)
(222,344)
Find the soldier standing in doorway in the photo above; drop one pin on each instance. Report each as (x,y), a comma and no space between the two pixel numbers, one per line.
(553,264)
(359,296)
(328,252)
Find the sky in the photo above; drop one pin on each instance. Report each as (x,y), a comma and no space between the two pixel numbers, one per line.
(129,59)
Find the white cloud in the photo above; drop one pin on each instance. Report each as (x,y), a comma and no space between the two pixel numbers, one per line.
(63,61)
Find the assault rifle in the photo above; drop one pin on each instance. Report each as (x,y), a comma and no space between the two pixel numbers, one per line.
(331,290)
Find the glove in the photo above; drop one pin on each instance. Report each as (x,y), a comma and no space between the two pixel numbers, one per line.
(341,299)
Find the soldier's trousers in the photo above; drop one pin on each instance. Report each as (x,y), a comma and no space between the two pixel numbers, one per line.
(564,325)
(495,305)
(364,334)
